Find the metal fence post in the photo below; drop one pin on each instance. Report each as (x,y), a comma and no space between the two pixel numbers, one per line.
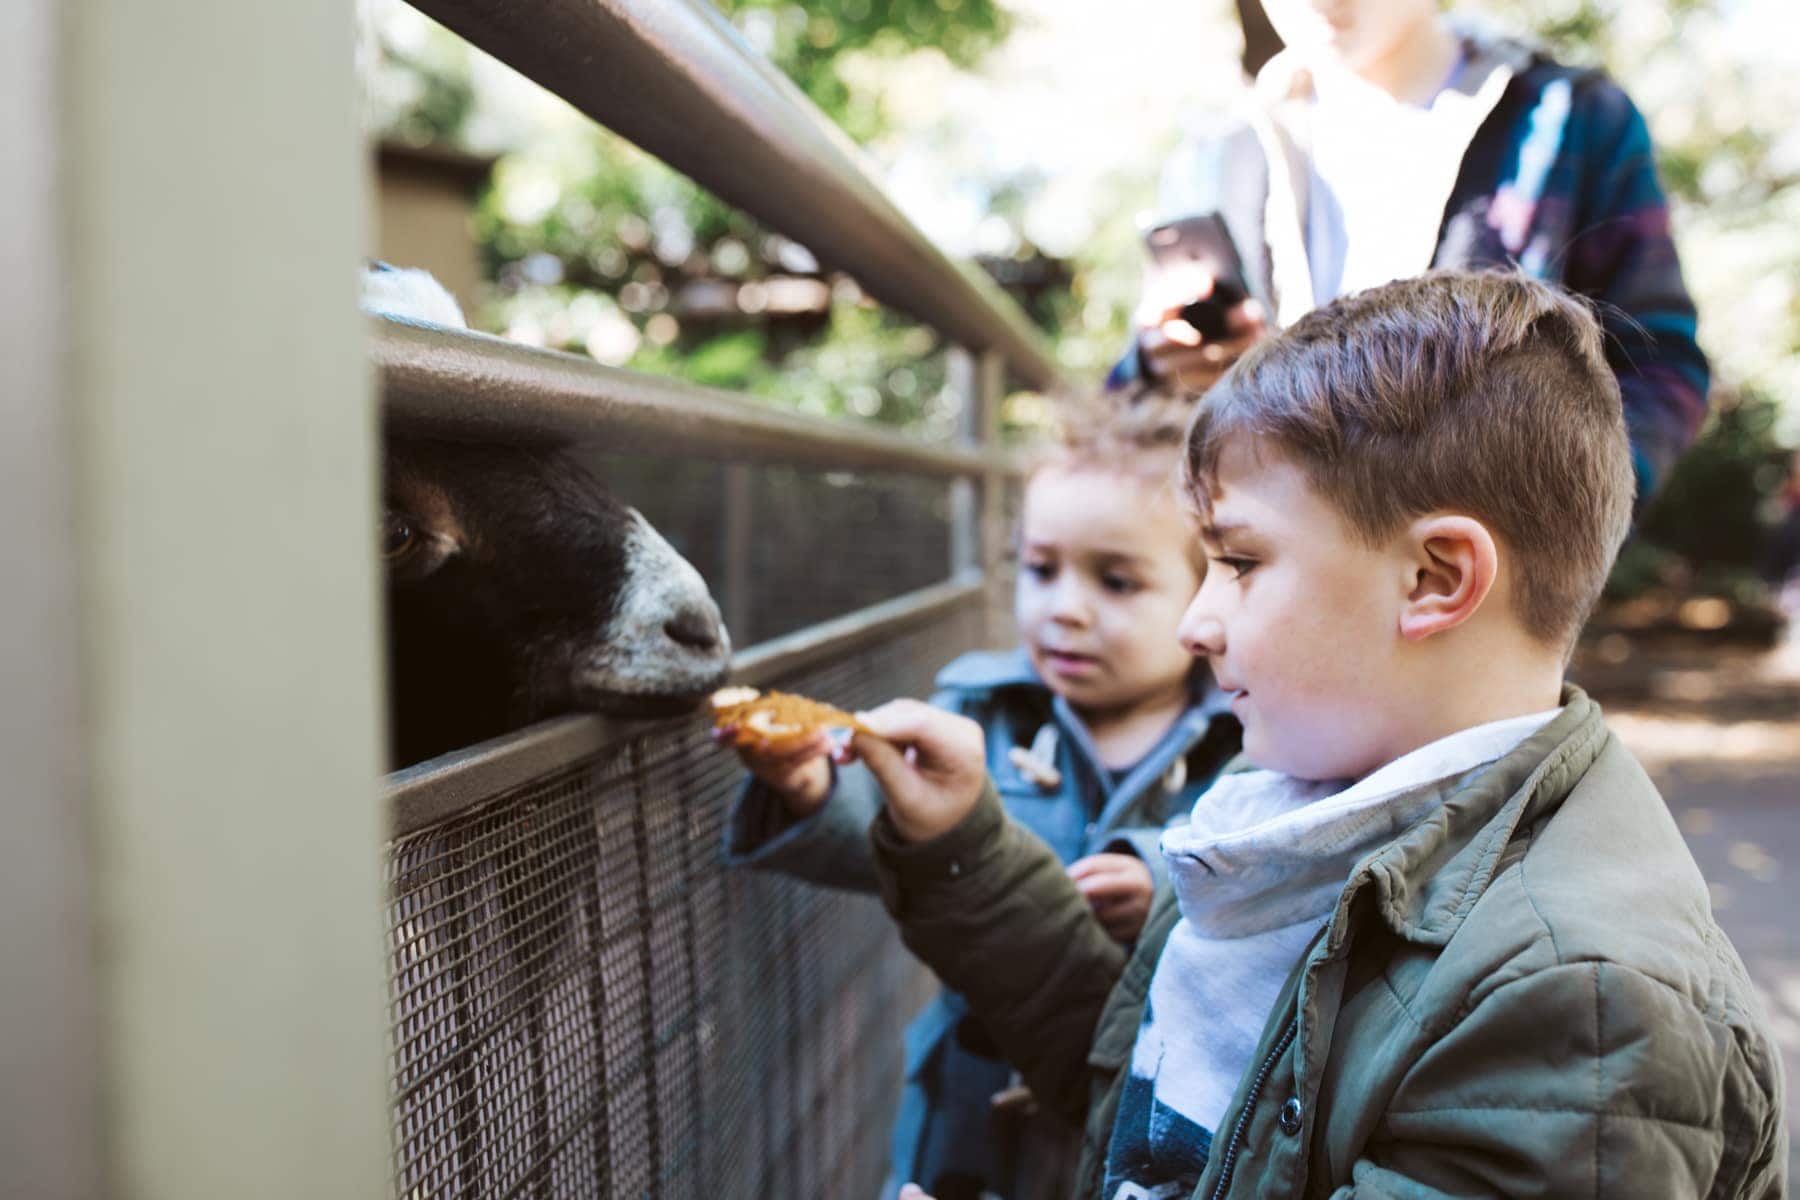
(990,377)
(978,532)
(965,514)
(740,525)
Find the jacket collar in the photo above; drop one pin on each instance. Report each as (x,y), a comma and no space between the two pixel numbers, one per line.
(1425,882)
(986,670)
(994,670)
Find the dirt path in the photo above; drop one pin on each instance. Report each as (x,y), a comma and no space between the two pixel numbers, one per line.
(1719,731)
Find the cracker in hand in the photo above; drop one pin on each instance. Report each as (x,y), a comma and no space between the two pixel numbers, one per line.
(776,720)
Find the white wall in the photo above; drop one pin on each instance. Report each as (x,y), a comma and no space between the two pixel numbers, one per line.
(190,873)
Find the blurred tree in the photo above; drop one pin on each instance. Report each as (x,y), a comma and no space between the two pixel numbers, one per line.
(599,248)
(1705,530)
(596,247)
(1718,92)
(813,40)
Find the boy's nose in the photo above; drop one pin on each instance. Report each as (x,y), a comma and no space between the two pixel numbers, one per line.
(1202,634)
(1068,606)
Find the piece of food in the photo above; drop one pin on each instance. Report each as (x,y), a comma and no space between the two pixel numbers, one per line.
(776,720)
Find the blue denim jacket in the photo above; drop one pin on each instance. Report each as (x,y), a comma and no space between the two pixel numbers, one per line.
(945,1124)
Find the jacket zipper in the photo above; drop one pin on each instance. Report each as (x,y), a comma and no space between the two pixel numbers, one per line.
(1250,1098)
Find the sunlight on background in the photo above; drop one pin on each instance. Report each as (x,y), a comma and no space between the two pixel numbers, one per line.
(1051,141)
(1027,136)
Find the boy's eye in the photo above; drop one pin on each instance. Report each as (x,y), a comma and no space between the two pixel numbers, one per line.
(1119,585)
(1040,570)
(1240,567)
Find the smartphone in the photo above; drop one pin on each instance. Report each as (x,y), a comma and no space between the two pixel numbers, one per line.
(1202,240)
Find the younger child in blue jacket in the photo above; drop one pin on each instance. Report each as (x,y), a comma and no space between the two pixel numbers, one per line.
(1100,730)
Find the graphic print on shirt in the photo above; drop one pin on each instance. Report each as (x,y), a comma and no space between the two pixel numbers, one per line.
(1155,1151)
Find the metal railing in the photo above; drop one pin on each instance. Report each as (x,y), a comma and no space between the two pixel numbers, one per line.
(674,77)
(474,387)
(584,1002)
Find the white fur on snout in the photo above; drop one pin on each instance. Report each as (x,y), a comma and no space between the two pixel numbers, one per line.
(637,657)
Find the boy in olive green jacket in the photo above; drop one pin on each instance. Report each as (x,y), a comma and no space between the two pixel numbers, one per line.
(1447,941)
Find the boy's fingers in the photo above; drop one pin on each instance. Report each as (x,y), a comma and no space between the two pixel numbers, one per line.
(1107,862)
(1094,875)
(763,757)
(1173,361)
(913,1191)
(1180,332)
(1081,868)
(934,741)
(878,754)
(1105,887)
(1246,318)
(1172,290)
(898,721)
(812,747)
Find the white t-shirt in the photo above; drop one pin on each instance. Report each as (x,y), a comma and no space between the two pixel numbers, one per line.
(1382,171)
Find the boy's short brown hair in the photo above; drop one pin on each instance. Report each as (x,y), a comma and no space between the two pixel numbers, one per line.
(1485,393)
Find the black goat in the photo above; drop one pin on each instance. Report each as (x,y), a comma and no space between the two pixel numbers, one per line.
(519,587)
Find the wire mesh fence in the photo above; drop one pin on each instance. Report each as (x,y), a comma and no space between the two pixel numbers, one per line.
(818,544)
(585,1003)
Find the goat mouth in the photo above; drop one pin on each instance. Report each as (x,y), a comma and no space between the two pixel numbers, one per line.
(604,692)
(642,705)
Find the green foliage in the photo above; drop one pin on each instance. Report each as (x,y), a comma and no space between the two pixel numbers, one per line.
(439,108)
(811,40)
(583,232)
(1706,520)
(1719,108)
(868,364)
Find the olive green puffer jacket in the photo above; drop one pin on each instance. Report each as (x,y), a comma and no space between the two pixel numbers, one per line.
(1523,995)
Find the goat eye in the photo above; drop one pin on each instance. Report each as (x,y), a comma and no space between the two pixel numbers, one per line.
(397,537)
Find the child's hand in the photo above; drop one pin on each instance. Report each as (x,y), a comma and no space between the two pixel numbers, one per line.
(913,1191)
(1119,888)
(799,775)
(931,765)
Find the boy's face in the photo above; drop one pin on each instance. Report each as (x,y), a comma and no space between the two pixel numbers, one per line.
(1300,621)
(1350,33)
(1104,574)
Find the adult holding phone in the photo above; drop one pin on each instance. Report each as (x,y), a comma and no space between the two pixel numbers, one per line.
(1387,139)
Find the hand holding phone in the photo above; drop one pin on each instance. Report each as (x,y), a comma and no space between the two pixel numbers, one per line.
(1196,253)
(1196,316)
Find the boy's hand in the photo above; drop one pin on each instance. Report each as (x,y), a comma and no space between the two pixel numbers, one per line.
(1119,887)
(799,775)
(913,1191)
(931,765)
(1173,351)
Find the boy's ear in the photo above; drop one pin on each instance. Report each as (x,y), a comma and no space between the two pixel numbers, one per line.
(1454,563)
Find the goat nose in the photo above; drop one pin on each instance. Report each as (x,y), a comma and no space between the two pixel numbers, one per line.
(695,628)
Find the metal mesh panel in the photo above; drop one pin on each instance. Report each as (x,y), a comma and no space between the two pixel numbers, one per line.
(585,1003)
(883,535)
